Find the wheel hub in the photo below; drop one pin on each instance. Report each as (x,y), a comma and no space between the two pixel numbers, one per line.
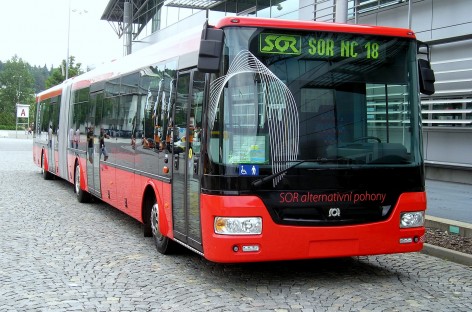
(155,221)
(77,180)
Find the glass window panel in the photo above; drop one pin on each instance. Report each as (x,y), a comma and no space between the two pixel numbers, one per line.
(316,95)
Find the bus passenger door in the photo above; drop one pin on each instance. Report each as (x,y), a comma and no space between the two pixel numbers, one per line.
(52,134)
(185,146)
(93,154)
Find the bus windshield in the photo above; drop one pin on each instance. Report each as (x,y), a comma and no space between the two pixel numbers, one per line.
(335,99)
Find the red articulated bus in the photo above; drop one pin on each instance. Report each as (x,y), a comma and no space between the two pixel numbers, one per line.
(253,139)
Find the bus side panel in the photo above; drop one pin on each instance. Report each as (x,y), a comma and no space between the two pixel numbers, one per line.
(107,184)
(162,191)
(46,159)
(70,167)
(281,242)
(166,207)
(56,163)
(141,183)
(37,151)
(71,157)
(127,194)
(83,173)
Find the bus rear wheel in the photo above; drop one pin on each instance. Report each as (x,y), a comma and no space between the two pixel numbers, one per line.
(82,196)
(46,174)
(164,245)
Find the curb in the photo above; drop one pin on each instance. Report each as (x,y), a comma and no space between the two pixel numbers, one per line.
(451,226)
(447,254)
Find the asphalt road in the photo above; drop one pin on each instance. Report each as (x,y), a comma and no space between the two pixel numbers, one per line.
(59,255)
(448,200)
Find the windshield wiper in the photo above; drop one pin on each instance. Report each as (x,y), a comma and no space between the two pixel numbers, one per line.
(257,183)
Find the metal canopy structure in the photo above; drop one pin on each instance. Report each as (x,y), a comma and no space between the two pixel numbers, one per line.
(144,10)
(114,13)
(195,4)
(234,7)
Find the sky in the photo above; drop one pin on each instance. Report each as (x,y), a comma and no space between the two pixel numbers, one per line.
(37,32)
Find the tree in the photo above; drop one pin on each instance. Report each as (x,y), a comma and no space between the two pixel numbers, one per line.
(40,75)
(58,74)
(16,86)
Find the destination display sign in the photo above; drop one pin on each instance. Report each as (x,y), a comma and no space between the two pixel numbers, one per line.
(321,45)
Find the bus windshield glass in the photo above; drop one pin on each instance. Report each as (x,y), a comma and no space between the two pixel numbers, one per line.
(335,99)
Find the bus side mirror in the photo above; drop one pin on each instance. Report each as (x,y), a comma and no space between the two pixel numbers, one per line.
(427,78)
(426,74)
(211,46)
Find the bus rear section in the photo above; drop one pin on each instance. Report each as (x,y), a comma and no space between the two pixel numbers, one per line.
(47,145)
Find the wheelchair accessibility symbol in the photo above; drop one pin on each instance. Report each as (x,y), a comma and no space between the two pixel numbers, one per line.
(251,170)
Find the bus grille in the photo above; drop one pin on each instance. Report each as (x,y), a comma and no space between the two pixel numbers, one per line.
(329,215)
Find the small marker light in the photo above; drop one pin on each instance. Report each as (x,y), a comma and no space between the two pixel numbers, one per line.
(251,248)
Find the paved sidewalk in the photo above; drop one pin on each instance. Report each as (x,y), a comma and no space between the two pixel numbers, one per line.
(12,134)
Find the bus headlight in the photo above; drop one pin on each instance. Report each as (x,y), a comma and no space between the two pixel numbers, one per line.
(412,219)
(238,226)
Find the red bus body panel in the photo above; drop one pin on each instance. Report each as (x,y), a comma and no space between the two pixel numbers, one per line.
(70,166)
(37,150)
(50,93)
(282,242)
(311,25)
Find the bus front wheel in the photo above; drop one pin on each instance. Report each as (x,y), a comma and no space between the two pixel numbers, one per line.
(164,245)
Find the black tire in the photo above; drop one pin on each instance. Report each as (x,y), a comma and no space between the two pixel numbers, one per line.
(164,245)
(82,196)
(46,174)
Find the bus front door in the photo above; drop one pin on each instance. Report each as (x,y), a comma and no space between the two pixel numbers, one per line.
(185,146)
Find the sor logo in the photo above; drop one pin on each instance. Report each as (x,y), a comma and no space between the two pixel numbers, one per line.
(280,44)
(334,212)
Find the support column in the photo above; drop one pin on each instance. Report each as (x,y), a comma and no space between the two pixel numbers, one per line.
(341,11)
(128,26)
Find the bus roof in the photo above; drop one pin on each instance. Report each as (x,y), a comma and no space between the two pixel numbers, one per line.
(314,26)
(188,41)
(181,45)
(49,93)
